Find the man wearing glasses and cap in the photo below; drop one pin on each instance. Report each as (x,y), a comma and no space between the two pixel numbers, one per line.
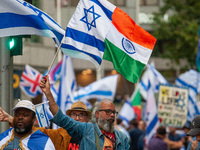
(100,135)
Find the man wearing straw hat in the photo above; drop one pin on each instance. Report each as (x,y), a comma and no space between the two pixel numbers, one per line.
(60,137)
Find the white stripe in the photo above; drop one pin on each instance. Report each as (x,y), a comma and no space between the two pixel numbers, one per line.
(103,24)
(142,54)
(4,140)
(84,47)
(49,145)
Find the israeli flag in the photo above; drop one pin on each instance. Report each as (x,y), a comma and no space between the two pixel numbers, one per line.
(21,18)
(191,79)
(42,115)
(100,89)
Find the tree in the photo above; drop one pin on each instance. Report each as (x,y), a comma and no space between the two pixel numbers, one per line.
(177,37)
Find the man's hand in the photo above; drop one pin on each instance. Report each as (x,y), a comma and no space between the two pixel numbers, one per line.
(194,145)
(4,116)
(45,85)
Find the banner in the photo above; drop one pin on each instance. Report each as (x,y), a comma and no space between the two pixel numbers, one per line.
(172,106)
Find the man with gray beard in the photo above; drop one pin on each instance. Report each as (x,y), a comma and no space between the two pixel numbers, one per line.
(91,136)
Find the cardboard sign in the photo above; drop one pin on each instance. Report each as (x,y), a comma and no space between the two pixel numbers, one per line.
(172,106)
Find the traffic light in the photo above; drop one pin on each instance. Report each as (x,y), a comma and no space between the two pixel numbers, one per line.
(15,45)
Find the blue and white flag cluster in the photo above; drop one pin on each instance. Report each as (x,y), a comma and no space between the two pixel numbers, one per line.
(191,80)
(21,18)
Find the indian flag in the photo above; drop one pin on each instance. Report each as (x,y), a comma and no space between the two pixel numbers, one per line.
(98,29)
(136,103)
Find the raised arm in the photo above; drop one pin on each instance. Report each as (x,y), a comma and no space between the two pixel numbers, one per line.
(45,87)
(4,116)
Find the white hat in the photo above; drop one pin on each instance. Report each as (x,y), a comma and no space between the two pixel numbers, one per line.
(24,104)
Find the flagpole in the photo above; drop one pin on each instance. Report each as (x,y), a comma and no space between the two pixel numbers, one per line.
(58,50)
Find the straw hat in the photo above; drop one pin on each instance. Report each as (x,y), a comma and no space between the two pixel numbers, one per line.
(78,106)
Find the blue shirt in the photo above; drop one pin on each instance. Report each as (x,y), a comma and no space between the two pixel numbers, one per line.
(85,133)
(190,144)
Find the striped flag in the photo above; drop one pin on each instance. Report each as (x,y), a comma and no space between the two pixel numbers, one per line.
(151,116)
(41,115)
(67,85)
(98,29)
(136,103)
(127,113)
(30,81)
(149,85)
(191,80)
(36,140)
(21,18)
(100,89)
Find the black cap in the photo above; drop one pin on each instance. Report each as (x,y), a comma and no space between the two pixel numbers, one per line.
(195,126)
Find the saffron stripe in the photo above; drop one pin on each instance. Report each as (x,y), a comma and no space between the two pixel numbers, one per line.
(131,30)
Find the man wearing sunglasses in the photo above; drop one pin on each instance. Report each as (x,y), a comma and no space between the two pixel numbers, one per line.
(100,135)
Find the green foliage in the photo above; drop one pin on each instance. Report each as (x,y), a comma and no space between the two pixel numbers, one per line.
(178,35)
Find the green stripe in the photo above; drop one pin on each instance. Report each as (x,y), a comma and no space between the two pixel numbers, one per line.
(136,101)
(130,68)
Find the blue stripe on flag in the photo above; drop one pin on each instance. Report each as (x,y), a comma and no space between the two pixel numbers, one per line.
(71,48)
(36,137)
(103,93)
(129,103)
(4,134)
(107,12)
(152,124)
(195,106)
(45,115)
(21,21)
(185,84)
(39,120)
(125,119)
(85,38)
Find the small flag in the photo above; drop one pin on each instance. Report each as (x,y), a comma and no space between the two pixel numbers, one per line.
(98,29)
(42,115)
(26,19)
(136,103)
(127,113)
(101,89)
(30,81)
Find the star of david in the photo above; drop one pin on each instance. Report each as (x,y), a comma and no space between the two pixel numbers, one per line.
(90,17)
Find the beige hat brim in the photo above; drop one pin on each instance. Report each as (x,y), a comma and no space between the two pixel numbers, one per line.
(69,111)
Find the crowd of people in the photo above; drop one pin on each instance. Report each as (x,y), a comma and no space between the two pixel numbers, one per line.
(85,130)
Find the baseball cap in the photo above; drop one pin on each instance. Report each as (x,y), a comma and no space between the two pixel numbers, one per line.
(195,126)
(78,106)
(24,104)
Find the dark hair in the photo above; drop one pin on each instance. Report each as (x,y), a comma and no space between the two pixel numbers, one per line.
(119,120)
(134,123)
(161,130)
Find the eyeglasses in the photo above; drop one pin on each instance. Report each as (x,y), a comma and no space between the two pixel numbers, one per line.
(81,115)
(109,112)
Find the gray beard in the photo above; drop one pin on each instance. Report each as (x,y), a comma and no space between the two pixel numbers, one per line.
(105,125)
(20,130)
